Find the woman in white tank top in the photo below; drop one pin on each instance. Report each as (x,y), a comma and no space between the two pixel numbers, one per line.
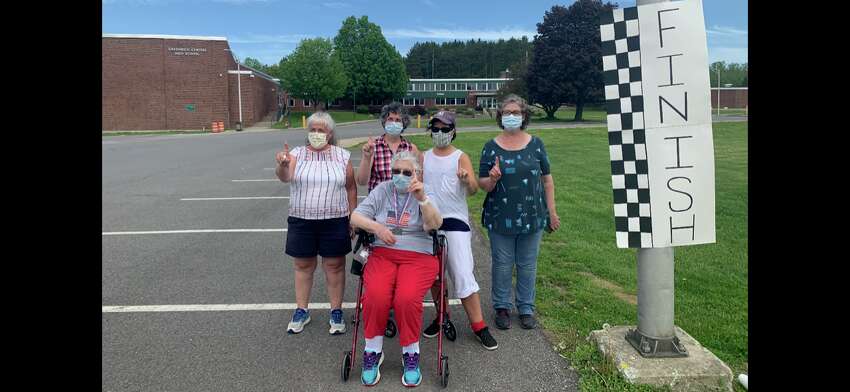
(448,172)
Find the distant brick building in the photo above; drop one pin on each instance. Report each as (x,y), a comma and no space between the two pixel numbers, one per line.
(152,82)
(730,97)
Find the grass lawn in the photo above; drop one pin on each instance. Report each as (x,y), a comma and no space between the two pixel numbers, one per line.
(564,114)
(339,117)
(584,280)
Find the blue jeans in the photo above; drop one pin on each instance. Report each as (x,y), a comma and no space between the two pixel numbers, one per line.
(509,250)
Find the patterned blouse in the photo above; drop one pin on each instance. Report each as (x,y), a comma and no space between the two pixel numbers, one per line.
(381,170)
(517,205)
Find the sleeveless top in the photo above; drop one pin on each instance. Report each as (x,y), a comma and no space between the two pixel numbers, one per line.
(383,155)
(440,174)
(317,189)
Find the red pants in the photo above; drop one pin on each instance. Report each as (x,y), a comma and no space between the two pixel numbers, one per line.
(396,279)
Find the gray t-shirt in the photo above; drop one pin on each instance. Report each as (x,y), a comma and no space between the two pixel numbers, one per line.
(381,206)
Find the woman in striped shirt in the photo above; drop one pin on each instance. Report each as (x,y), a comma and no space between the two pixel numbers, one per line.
(322,194)
(377,153)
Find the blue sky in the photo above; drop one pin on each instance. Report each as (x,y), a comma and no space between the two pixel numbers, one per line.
(269,29)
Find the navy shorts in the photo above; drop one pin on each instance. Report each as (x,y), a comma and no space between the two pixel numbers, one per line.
(326,237)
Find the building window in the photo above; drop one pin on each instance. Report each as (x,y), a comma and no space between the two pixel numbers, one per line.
(410,86)
(440,101)
(461,101)
(291,102)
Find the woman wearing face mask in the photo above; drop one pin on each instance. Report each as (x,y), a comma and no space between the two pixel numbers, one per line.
(520,204)
(448,171)
(377,153)
(322,194)
(401,266)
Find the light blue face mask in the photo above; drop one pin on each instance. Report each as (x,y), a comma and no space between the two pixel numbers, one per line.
(511,122)
(401,182)
(393,128)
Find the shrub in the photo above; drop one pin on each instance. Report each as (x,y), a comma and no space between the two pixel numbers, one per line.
(362,109)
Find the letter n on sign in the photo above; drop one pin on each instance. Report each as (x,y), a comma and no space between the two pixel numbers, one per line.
(655,68)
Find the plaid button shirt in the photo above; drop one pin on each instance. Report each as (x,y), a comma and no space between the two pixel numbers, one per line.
(381,162)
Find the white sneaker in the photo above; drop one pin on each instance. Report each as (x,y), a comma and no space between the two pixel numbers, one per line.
(337,322)
(300,318)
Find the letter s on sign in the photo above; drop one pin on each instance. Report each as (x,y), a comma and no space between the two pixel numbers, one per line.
(670,204)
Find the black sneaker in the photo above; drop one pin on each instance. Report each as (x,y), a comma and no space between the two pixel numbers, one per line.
(487,339)
(503,319)
(527,321)
(432,329)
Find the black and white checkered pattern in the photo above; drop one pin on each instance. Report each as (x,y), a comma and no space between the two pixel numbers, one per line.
(626,134)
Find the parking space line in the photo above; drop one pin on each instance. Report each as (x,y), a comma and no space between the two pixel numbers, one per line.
(242,198)
(230,307)
(194,231)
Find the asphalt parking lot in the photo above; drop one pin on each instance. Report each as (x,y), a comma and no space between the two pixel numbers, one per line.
(197,292)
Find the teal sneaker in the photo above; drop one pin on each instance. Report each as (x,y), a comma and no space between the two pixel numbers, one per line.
(371,368)
(412,376)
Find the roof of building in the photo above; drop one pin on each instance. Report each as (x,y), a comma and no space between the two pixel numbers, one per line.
(457,80)
(159,36)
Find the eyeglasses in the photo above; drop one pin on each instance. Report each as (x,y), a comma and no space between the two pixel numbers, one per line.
(443,130)
(407,173)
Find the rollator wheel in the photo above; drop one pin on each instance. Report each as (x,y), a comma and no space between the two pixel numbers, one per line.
(346,366)
(449,330)
(391,329)
(444,366)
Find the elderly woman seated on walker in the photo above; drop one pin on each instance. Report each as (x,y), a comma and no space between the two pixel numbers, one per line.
(401,267)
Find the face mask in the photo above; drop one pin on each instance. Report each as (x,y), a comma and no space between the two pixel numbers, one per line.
(441,139)
(317,139)
(511,122)
(401,182)
(393,128)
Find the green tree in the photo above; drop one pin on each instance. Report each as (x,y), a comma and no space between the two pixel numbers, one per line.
(254,63)
(731,73)
(313,71)
(374,68)
(567,62)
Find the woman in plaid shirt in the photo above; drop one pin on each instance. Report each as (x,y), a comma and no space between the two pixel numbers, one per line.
(377,153)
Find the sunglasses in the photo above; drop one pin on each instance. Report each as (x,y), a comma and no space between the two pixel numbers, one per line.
(407,173)
(443,130)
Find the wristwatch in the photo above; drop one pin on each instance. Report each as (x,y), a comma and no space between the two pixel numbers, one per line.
(424,202)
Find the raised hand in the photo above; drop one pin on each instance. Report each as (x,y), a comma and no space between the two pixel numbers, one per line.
(283,157)
(417,189)
(369,147)
(462,174)
(495,172)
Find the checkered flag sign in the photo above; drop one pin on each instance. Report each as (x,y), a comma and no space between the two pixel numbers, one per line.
(626,131)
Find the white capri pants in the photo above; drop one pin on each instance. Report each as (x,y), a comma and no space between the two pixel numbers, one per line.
(460,264)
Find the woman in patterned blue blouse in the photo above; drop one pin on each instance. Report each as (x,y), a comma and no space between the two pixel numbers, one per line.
(520,204)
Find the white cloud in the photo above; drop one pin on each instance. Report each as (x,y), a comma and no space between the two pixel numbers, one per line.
(429,3)
(336,5)
(268,39)
(488,35)
(726,31)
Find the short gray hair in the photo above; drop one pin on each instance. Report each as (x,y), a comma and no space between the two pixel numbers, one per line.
(325,119)
(509,99)
(397,108)
(407,156)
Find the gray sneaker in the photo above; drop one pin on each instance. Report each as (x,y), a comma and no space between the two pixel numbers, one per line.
(300,318)
(527,321)
(503,319)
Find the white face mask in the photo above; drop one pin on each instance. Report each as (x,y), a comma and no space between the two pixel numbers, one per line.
(317,139)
